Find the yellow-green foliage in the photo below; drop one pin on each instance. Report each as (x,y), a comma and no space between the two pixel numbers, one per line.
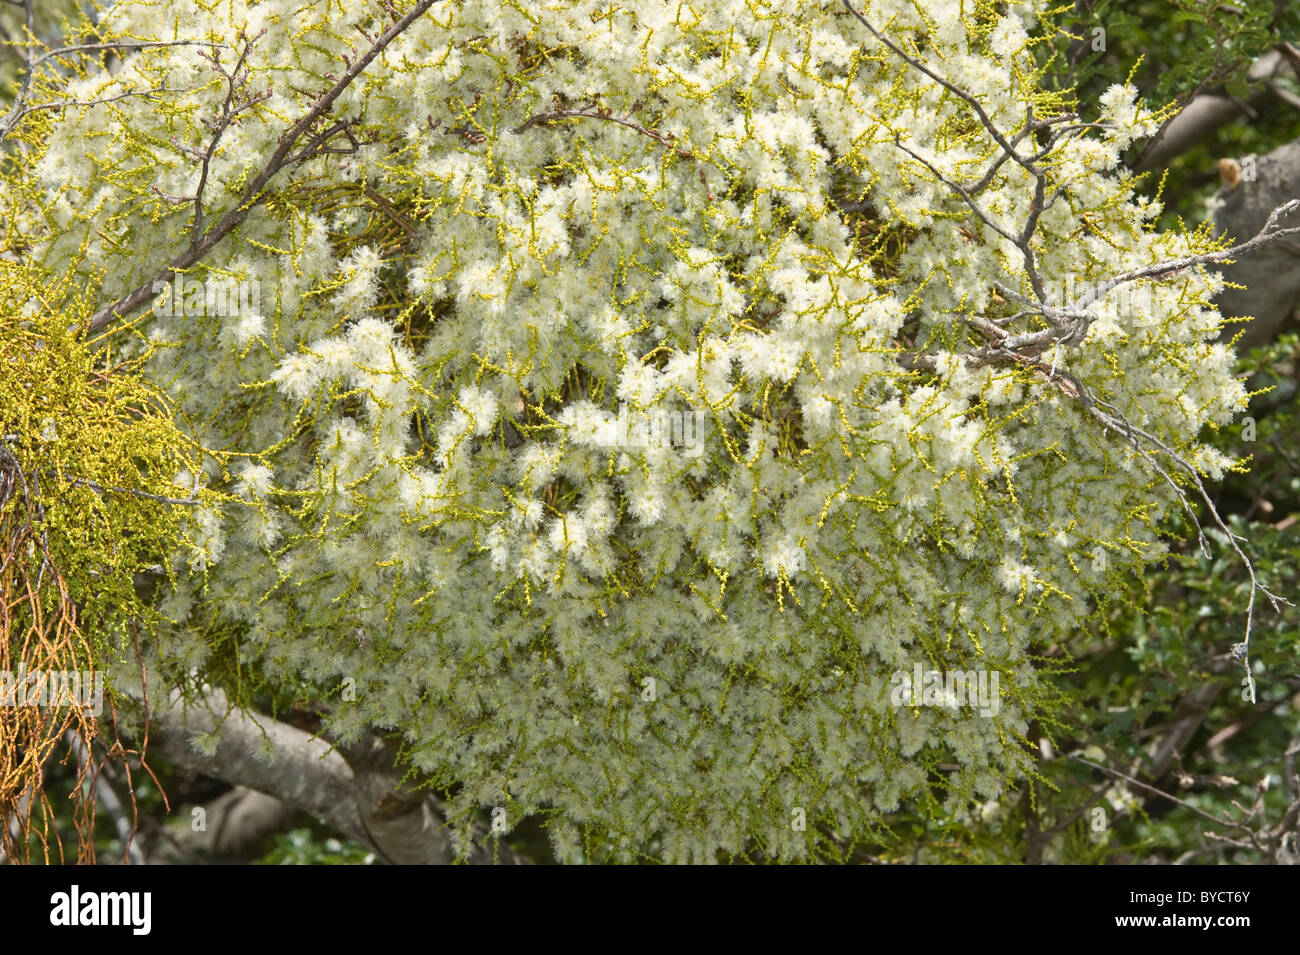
(89,448)
(88,458)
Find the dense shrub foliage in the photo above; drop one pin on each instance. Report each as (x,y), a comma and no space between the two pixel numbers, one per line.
(426,362)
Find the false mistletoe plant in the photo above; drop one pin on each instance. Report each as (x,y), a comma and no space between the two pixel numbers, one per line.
(872,266)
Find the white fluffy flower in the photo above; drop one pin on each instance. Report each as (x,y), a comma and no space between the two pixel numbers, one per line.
(298,376)
(255,480)
(1008,36)
(482,406)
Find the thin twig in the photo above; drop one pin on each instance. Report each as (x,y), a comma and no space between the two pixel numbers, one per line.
(254,192)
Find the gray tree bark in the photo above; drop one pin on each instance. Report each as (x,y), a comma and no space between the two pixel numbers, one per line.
(360,794)
(1271,273)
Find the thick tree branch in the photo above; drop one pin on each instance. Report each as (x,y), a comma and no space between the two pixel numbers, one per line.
(305,772)
(239,822)
(359,793)
(1205,113)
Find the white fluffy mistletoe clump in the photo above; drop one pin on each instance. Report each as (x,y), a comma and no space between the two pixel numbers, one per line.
(755,217)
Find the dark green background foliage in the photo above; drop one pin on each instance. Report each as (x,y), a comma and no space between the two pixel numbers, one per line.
(1173,50)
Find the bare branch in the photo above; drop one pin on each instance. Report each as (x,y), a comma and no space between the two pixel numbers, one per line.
(1068,323)
(603,114)
(20,109)
(1007,148)
(254,192)
(1218,821)
(230,108)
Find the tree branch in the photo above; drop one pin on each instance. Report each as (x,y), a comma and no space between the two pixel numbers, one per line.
(253,193)
(358,792)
